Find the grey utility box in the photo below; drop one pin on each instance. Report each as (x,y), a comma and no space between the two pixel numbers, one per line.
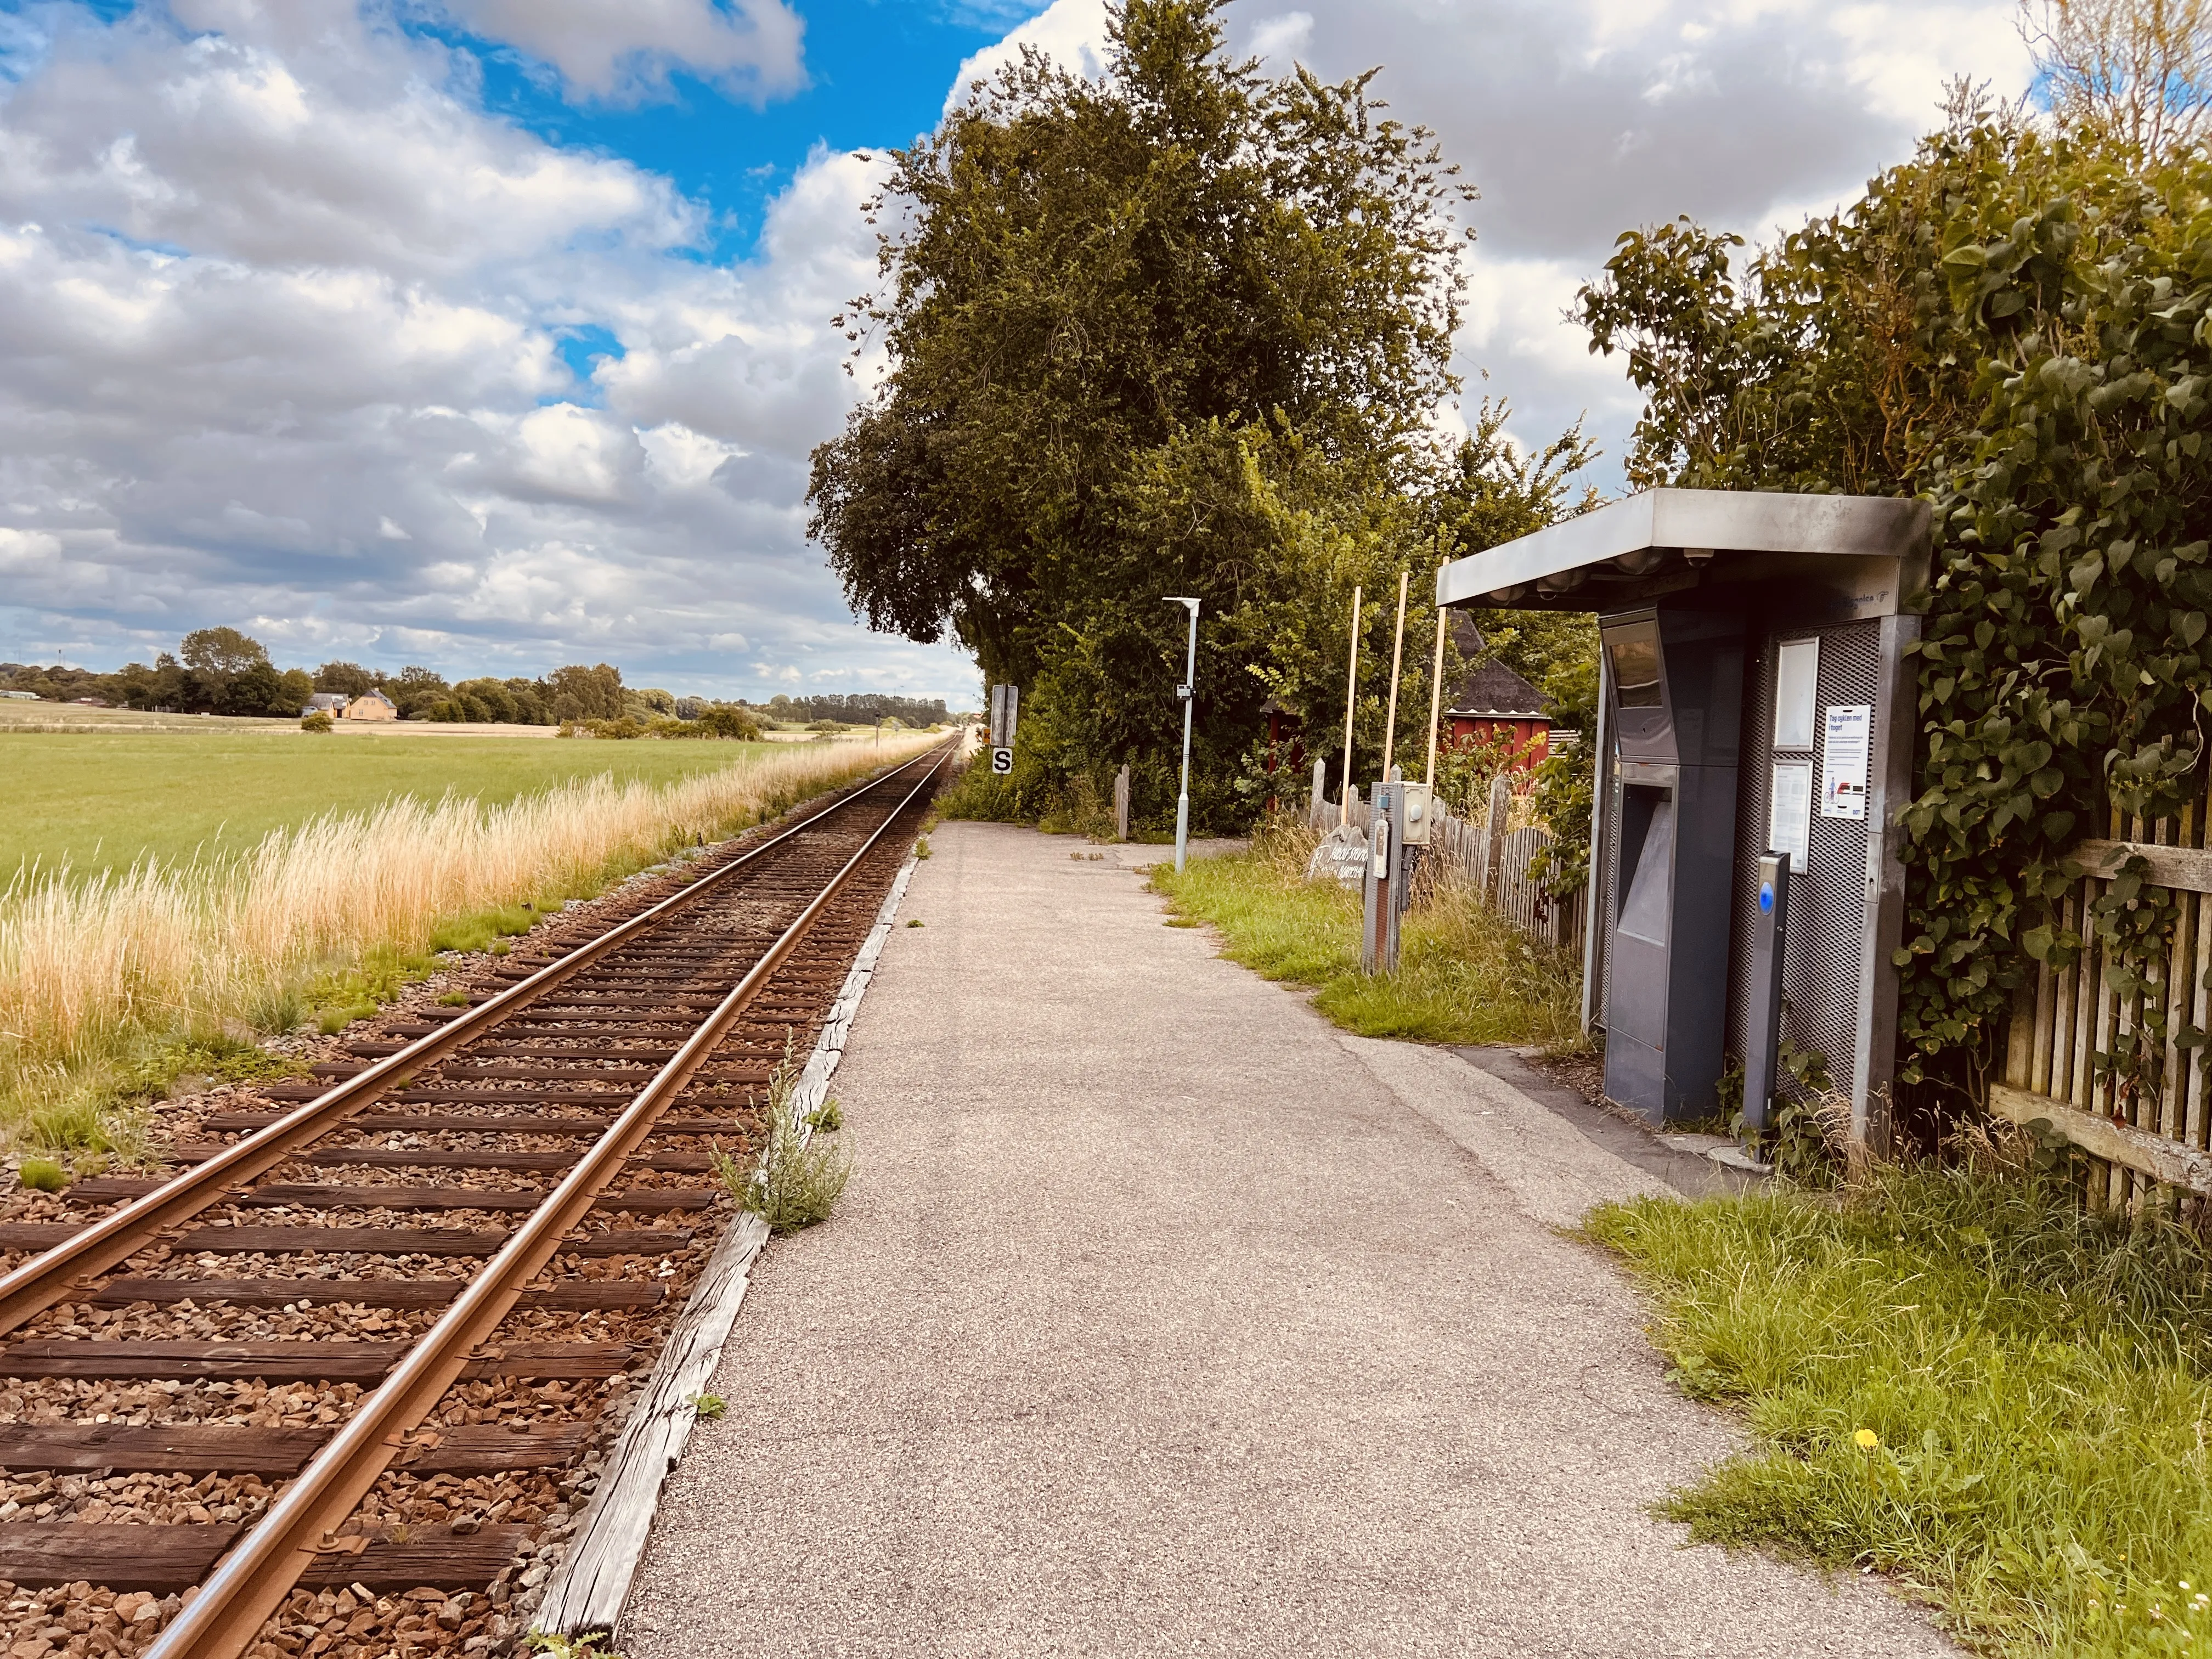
(1755,698)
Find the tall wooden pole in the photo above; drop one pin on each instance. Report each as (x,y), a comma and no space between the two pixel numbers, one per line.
(1397,656)
(1436,698)
(1350,702)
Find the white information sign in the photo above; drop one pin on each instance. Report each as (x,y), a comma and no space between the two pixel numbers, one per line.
(1002,761)
(1789,813)
(1843,761)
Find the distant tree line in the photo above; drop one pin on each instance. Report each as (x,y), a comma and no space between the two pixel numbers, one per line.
(222,671)
(861,708)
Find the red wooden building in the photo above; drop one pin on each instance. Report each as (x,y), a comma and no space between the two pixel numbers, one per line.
(1491,703)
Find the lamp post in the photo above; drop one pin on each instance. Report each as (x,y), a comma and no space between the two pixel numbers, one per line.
(1187,691)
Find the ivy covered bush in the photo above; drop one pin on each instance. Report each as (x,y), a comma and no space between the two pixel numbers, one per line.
(2017,326)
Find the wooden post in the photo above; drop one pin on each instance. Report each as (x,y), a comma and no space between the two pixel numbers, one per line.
(1501,813)
(1351,705)
(1435,700)
(1121,803)
(1397,656)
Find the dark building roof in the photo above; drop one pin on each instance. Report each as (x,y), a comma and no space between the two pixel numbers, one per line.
(1492,691)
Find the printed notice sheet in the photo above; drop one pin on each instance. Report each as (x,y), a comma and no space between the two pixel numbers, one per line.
(1789,815)
(1844,762)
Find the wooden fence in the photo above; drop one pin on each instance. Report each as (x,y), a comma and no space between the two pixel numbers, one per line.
(2153,1131)
(1506,841)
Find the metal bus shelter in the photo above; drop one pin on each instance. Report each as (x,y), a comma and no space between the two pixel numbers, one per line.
(1754,702)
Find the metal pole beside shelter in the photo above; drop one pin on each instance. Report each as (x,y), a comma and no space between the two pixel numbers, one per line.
(1351,703)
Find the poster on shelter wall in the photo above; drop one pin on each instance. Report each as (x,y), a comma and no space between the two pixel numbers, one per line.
(1844,739)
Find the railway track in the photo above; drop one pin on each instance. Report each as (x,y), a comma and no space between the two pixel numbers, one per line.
(335,1386)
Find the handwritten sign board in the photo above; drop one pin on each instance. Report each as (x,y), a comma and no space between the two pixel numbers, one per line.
(1342,856)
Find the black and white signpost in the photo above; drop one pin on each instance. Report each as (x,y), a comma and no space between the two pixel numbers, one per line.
(1006,710)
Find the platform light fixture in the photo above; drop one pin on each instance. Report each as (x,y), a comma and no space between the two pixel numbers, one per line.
(1186,692)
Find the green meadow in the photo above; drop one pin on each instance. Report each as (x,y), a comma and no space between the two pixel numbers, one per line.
(103,799)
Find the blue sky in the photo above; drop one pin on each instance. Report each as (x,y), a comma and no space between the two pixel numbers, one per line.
(877,73)
(494,334)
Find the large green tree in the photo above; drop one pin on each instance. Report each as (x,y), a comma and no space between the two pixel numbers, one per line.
(1181,330)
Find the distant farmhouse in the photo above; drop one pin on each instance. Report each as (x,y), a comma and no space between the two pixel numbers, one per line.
(1493,704)
(369,706)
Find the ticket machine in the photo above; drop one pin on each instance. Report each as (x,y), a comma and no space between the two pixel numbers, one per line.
(1755,700)
(1676,678)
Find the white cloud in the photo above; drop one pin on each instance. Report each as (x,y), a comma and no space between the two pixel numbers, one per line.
(624,49)
(1580,119)
(1283,37)
(1071,32)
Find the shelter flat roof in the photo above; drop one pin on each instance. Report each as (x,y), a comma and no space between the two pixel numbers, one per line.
(1828,557)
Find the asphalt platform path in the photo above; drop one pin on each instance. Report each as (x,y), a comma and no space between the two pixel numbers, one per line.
(1161,1318)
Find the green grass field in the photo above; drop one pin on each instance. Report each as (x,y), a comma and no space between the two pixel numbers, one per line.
(102,800)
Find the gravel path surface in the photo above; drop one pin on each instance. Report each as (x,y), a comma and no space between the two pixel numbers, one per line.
(1161,1318)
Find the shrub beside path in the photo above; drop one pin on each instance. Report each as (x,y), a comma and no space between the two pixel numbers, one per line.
(1162,1318)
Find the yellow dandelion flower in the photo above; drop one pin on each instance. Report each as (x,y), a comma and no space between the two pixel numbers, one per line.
(1867,1440)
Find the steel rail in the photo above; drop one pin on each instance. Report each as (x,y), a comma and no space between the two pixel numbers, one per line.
(51,1276)
(252,1581)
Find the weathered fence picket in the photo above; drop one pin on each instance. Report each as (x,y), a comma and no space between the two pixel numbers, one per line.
(2151,1133)
(1472,851)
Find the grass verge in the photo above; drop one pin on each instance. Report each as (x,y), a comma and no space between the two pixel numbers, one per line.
(1465,975)
(1957,1378)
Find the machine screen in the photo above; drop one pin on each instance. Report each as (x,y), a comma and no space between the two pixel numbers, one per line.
(1635,652)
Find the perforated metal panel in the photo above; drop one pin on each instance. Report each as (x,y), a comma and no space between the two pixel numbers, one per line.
(1828,932)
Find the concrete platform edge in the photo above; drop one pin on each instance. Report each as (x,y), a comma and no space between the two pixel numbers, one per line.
(589,1590)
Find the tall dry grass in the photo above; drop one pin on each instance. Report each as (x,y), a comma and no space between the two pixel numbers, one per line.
(91,967)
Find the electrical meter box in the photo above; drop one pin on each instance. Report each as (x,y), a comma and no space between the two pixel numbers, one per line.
(1755,699)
